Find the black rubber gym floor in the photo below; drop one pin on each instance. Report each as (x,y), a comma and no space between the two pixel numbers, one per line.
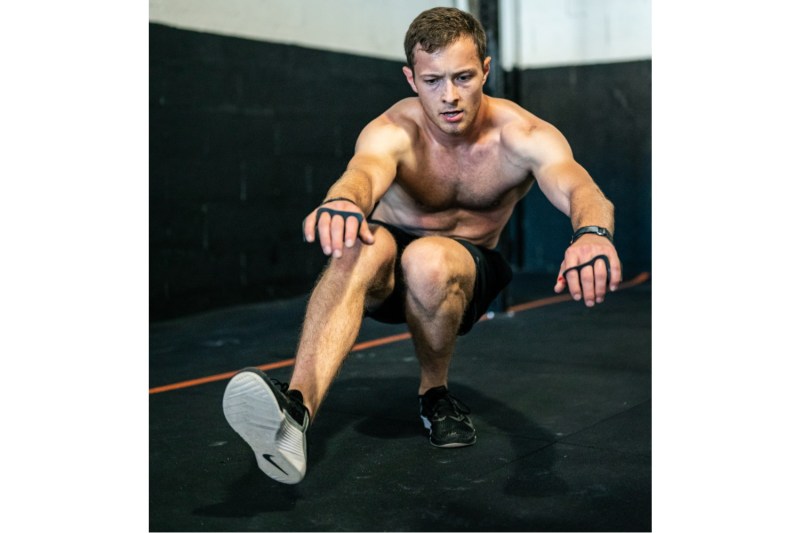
(560,396)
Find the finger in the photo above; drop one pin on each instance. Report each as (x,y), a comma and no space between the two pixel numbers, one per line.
(574,284)
(350,231)
(571,279)
(337,235)
(616,275)
(587,283)
(309,235)
(324,230)
(561,281)
(600,280)
(365,234)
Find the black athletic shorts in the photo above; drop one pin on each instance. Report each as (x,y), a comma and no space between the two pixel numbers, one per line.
(493,274)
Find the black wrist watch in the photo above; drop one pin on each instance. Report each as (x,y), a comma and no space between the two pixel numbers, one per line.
(597,230)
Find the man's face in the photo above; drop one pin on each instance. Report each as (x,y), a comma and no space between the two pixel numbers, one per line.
(449,83)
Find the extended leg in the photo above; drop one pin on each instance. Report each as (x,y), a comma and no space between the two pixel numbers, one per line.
(335,312)
(273,417)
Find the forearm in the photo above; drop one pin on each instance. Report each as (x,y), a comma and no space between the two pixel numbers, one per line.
(354,185)
(589,207)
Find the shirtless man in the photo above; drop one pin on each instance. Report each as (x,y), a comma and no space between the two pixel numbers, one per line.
(410,227)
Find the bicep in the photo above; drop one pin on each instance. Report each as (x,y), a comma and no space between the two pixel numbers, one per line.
(555,169)
(558,181)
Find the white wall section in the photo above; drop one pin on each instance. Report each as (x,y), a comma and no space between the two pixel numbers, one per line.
(544,33)
(534,33)
(374,28)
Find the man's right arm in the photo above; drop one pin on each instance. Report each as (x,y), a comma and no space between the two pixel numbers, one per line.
(370,172)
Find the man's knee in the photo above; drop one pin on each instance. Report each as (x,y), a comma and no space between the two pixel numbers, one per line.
(437,269)
(366,263)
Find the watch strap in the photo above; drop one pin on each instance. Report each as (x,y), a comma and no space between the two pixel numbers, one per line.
(596,230)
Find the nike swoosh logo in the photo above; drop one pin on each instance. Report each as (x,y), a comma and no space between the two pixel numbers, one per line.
(268,457)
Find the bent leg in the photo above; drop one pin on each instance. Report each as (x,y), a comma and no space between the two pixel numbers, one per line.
(362,276)
(440,278)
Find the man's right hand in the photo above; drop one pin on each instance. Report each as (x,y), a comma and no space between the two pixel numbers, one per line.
(336,233)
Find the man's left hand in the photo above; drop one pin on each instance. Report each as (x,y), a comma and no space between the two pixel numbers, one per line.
(590,281)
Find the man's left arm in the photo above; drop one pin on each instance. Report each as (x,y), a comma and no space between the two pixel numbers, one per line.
(569,187)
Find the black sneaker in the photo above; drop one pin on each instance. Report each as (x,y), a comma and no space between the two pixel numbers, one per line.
(272,420)
(445,417)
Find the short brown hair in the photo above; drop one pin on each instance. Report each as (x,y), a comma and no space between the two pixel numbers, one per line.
(439,27)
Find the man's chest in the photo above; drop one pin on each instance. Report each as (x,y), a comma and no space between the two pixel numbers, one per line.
(477,180)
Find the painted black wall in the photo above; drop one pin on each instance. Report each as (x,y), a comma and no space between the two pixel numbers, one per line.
(246,137)
(605,112)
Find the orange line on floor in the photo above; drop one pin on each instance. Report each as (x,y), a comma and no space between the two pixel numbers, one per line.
(217,377)
(380,342)
(638,280)
(541,302)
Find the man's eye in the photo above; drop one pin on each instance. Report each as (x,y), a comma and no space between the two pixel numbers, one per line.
(430,82)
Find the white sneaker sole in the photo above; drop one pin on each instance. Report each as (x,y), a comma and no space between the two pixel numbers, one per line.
(252,411)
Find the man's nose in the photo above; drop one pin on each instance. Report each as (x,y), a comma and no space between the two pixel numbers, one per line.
(450,94)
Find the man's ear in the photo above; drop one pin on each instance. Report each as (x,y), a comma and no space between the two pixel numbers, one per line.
(409,74)
(486,68)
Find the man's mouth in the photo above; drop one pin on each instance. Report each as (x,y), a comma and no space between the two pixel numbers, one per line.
(452,116)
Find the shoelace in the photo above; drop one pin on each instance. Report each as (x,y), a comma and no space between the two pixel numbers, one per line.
(284,387)
(295,406)
(452,404)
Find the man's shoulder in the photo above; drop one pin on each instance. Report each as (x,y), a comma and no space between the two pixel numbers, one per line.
(522,133)
(406,112)
(395,128)
(512,117)
(407,105)
(401,119)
